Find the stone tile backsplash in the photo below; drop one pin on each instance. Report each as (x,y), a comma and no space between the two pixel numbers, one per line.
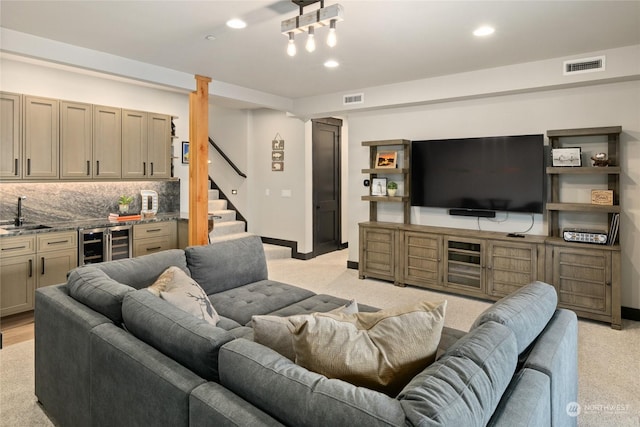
(70,201)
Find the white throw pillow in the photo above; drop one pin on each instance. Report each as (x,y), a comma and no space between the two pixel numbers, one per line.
(180,290)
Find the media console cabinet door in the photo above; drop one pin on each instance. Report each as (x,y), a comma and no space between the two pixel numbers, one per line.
(464,265)
(510,266)
(378,253)
(422,254)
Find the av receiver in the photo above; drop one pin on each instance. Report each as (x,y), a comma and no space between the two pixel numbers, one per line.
(584,236)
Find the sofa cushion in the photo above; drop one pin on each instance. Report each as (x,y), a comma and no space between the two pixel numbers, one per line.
(228,264)
(320,303)
(191,341)
(273,331)
(526,312)
(176,287)
(142,271)
(381,351)
(262,297)
(465,385)
(298,397)
(93,288)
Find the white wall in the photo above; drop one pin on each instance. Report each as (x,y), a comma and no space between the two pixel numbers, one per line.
(590,106)
(274,214)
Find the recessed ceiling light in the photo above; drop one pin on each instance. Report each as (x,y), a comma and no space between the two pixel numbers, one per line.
(236,23)
(484,31)
(331,63)
(210,37)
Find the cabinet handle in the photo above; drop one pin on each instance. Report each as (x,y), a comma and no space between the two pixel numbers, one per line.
(154,230)
(42,265)
(151,168)
(30,268)
(16,161)
(29,167)
(88,167)
(144,168)
(15,248)
(97,167)
(608,283)
(154,248)
(58,242)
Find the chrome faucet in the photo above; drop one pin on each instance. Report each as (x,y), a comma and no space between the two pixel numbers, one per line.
(19,219)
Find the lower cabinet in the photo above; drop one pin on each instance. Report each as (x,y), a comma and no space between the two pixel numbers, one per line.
(154,237)
(33,261)
(491,265)
(587,280)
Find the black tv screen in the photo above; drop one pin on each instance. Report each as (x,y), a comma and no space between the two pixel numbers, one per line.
(504,173)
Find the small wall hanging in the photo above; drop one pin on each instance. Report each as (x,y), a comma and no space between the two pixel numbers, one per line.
(277,153)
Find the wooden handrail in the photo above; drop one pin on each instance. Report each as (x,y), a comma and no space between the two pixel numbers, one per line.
(224,156)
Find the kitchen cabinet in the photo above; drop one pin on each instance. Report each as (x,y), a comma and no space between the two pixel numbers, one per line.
(41,138)
(17,274)
(57,254)
(146,142)
(10,136)
(154,237)
(76,140)
(107,142)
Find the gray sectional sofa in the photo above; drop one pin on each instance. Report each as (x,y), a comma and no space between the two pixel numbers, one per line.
(109,353)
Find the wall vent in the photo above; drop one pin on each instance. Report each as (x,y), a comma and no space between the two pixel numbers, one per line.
(356,98)
(585,65)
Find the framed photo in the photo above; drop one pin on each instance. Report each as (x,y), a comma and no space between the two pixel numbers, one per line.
(277,156)
(379,187)
(277,166)
(277,144)
(386,159)
(185,152)
(566,157)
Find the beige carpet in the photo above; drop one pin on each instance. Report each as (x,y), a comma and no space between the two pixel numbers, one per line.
(609,360)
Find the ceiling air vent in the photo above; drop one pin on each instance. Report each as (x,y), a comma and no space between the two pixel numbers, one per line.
(356,98)
(585,65)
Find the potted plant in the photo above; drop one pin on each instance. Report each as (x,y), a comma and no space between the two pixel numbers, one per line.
(123,203)
(392,187)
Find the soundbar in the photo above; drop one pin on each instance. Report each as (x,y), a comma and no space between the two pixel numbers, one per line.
(473,212)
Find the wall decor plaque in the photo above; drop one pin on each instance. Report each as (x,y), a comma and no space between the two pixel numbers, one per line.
(566,157)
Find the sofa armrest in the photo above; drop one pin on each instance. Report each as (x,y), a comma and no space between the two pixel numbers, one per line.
(281,388)
(526,402)
(212,404)
(555,353)
(63,354)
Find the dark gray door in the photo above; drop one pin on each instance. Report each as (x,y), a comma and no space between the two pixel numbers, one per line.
(326,185)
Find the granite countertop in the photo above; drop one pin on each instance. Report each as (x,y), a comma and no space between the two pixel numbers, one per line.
(89,223)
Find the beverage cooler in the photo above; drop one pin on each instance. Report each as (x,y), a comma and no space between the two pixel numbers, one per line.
(104,244)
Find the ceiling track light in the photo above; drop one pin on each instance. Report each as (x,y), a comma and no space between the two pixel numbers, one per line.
(308,22)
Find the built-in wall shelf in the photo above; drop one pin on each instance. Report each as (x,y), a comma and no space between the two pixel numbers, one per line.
(607,170)
(583,207)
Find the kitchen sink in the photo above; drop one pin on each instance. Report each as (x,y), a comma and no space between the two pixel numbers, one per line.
(12,227)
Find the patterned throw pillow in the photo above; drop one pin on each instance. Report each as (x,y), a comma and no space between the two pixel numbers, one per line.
(180,290)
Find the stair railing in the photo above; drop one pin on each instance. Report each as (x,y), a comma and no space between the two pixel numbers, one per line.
(214,186)
(224,156)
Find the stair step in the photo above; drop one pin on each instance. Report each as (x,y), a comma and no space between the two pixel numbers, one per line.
(270,251)
(225,215)
(214,194)
(217,205)
(227,227)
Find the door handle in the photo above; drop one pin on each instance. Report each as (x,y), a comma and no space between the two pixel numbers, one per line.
(30,268)
(88,167)
(42,265)
(16,167)
(97,167)
(144,168)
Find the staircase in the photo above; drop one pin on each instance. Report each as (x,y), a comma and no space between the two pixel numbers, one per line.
(228,227)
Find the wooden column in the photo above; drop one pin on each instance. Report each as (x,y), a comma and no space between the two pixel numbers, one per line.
(198,162)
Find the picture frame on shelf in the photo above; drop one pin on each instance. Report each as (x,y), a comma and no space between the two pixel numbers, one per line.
(566,157)
(379,187)
(185,152)
(386,159)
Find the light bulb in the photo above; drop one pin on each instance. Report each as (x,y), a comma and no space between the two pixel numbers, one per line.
(291,48)
(331,38)
(311,41)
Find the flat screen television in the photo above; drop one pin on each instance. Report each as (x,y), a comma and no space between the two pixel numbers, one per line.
(472,176)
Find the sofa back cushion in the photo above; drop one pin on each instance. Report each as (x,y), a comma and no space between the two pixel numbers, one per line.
(228,264)
(92,287)
(190,341)
(464,387)
(526,312)
(142,271)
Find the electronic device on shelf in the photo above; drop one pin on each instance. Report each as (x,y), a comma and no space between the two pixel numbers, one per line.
(597,237)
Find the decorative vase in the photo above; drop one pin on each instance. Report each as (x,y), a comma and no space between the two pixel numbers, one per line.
(392,191)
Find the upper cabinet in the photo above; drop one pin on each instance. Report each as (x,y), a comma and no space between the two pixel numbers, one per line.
(10,136)
(41,137)
(146,142)
(44,139)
